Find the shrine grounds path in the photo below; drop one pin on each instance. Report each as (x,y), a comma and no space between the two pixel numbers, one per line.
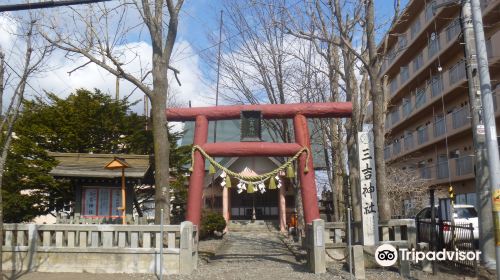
(242,255)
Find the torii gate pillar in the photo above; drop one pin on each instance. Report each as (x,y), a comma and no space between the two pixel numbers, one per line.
(307,180)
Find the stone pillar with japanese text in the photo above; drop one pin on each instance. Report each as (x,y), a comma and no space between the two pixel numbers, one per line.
(369,206)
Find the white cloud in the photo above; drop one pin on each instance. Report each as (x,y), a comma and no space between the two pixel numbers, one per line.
(137,54)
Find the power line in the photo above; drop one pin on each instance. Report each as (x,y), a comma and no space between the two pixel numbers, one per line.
(230,37)
(46,4)
(15,72)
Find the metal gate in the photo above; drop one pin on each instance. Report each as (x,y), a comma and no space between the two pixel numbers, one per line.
(458,237)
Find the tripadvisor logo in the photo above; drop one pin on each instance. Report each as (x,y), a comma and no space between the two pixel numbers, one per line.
(386,255)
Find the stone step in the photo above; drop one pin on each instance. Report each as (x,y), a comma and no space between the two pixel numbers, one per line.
(249,225)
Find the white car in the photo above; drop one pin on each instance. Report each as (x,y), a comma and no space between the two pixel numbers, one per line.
(464,215)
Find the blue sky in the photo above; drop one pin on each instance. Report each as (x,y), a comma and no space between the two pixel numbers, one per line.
(198,19)
(202,17)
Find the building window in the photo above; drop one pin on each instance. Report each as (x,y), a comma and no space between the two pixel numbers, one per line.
(433,46)
(429,10)
(391,55)
(424,170)
(439,126)
(453,29)
(101,202)
(406,107)
(436,84)
(460,117)
(420,98)
(422,135)
(415,28)
(404,74)
(395,116)
(408,140)
(442,167)
(394,85)
(402,42)
(418,62)
(396,147)
(489,48)
(467,198)
(457,72)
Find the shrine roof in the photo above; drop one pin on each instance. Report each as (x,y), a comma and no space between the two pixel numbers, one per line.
(92,165)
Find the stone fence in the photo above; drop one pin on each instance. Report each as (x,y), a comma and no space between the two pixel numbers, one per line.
(398,232)
(100,248)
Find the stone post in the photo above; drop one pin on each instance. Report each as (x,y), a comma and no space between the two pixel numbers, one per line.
(358,261)
(282,208)
(186,261)
(225,205)
(317,247)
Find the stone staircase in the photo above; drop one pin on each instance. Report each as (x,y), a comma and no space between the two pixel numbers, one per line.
(249,225)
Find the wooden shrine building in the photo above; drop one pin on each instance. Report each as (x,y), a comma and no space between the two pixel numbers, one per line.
(97,191)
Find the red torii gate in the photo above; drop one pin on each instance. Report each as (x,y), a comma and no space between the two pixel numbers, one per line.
(299,112)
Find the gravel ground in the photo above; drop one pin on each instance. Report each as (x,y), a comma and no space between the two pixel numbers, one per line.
(250,255)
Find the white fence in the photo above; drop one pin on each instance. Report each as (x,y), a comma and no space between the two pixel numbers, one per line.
(100,248)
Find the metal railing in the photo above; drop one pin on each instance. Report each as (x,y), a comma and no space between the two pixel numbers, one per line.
(451,238)
(439,127)
(422,135)
(442,170)
(457,72)
(396,148)
(460,117)
(409,144)
(425,172)
(464,165)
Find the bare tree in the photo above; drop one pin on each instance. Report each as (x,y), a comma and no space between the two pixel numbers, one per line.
(406,185)
(26,63)
(98,34)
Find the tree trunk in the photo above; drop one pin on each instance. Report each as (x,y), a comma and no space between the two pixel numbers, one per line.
(378,99)
(161,151)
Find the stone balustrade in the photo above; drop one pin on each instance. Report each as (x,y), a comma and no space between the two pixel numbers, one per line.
(100,248)
(399,232)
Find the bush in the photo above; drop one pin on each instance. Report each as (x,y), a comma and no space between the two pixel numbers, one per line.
(210,223)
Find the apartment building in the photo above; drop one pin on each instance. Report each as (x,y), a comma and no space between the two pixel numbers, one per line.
(428,124)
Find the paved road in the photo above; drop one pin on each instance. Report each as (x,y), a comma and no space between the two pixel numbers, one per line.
(253,255)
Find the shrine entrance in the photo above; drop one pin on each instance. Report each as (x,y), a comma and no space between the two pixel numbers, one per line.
(300,150)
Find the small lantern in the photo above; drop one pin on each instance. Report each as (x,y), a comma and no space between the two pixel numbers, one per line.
(120,163)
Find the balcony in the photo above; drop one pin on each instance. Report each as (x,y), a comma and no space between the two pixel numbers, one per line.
(422,135)
(449,125)
(457,72)
(442,170)
(425,172)
(464,165)
(412,105)
(437,44)
(422,23)
(461,168)
(439,127)
(461,117)
(387,152)
(396,148)
(409,143)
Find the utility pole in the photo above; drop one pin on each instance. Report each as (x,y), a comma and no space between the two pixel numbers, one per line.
(117,89)
(483,203)
(489,119)
(218,73)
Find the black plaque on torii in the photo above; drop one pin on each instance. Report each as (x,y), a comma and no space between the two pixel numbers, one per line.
(251,126)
